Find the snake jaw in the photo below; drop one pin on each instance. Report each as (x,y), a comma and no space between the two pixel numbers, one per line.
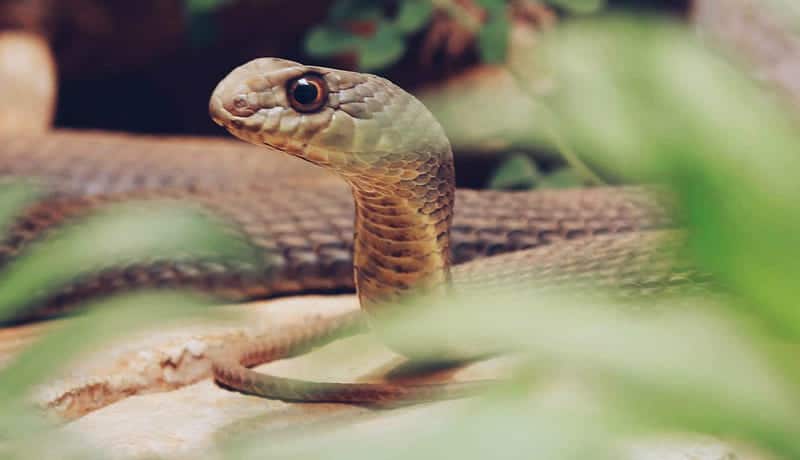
(216,110)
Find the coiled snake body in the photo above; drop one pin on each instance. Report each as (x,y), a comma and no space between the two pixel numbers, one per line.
(398,164)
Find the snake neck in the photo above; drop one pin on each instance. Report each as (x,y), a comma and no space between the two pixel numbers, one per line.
(402,230)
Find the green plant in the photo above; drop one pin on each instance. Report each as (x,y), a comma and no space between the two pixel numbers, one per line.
(378,39)
(136,231)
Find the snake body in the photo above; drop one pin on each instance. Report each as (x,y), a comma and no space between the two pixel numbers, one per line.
(298,217)
(399,183)
(398,163)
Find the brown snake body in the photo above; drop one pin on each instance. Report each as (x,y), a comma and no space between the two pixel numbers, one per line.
(298,217)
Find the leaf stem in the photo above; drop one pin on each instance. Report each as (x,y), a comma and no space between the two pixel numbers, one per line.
(556,138)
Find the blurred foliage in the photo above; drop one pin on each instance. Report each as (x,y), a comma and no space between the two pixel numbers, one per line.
(788,11)
(516,172)
(379,38)
(644,98)
(118,235)
(520,172)
(204,6)
(700,132)
(382,41)
(377,32)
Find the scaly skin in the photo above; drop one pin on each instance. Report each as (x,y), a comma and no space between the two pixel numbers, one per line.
(295,216)
(397,161)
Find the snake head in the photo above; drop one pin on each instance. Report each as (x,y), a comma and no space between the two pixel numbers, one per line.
(346,121)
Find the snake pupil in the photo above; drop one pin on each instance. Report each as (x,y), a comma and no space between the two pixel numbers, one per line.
(308,93)
(305,93)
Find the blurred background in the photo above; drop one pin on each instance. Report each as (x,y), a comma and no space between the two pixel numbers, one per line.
(149,66)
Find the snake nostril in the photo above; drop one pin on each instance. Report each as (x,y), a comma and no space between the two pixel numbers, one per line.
(240,106)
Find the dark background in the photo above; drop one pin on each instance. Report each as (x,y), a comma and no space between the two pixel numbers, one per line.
(148,66)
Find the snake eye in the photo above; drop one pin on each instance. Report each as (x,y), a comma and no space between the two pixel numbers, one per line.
(308,93)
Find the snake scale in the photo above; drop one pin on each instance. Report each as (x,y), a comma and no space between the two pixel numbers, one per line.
(398,174)
(307,237)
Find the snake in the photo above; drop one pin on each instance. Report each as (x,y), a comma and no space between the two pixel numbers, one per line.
(297,217)
(399,183)
(398,164)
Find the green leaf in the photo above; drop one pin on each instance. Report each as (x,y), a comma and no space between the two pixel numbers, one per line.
(494,35)
(328,40)
(355,10)
(203,6)
(668,379)
(126,234)
(518,172)
(492,5)
(381,50)
(562,178)
(202,29)
(651,101)
(106,320)
(14,196)
(786,11)
(413,15)
(580,6)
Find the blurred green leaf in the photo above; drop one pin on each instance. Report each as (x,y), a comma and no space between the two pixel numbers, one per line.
(42,441)
(519,172)
(203,6)
(382,49)
(202,29)
(679,364)
(413,15)
(358,10)
(685,116)
(551,426)
(494,34)
(106,320)
(124,234)
(492,5)
(579,6)
(787,11)
(562,178)
(326,40)
(14,196)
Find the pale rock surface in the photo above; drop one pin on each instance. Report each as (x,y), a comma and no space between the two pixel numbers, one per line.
(119,403)
(27,84)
